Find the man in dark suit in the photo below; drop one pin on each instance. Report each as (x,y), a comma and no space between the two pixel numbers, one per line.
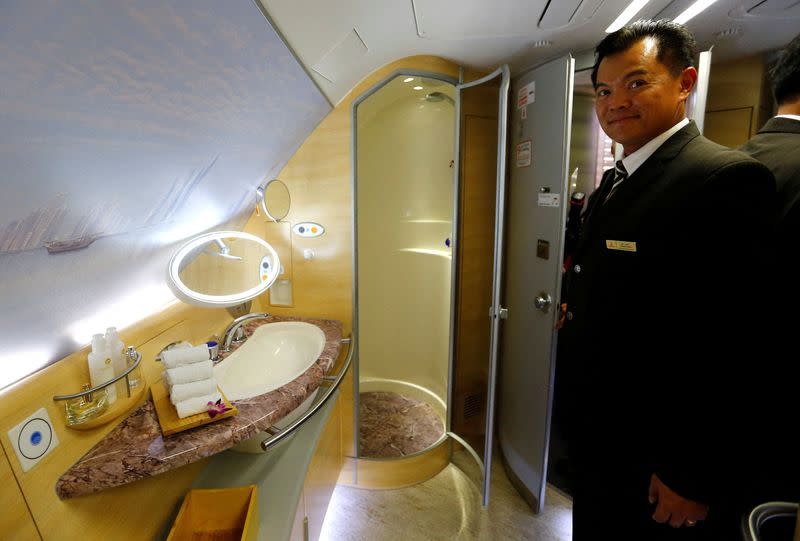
(777,145)
(663,301)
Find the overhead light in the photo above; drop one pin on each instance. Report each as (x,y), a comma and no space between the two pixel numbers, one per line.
(408,79)
(417,88)
(693,10)
(627,14)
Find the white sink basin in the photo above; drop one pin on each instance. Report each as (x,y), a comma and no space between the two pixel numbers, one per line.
(274,355)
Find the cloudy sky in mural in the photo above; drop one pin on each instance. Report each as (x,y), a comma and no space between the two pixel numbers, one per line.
(118,116)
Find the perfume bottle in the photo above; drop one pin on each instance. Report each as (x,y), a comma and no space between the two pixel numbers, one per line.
(86,407)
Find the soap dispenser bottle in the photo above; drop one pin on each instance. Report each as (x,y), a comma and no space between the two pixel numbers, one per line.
(115,347)
(100,368)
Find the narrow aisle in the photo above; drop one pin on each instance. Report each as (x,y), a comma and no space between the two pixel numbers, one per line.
(445,508)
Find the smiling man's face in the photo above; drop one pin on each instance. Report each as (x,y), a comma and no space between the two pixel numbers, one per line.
(638,97)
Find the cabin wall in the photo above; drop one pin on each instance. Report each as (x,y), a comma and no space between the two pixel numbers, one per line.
(126,128)
(739,100)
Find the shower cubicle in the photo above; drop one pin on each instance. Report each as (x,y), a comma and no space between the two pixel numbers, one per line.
(428,151)
(404,143)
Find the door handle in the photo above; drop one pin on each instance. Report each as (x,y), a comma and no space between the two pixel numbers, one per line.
(543,302)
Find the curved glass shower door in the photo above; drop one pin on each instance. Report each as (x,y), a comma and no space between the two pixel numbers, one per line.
(403,192)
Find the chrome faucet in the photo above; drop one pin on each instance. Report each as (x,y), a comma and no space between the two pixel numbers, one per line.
(235,331)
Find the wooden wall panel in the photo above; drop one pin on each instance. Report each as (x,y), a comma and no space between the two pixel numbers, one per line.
(135,511)
(735,86)
(319,177)
(16,522)
(475,264)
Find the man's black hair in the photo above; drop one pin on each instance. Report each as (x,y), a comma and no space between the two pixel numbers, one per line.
(676,46)
(786,73)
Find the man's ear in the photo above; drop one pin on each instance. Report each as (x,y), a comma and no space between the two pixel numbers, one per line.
(688,78)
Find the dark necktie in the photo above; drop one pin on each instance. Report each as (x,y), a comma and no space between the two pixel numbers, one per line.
(619,177)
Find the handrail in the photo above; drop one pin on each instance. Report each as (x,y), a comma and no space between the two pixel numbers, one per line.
(332,381)
(125,375)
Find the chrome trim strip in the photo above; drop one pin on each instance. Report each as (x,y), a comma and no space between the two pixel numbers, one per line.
(761,513)
(455,247)
(268,443)
(570,80)
(502,118)
(502,71)
(125,375)
(469,449)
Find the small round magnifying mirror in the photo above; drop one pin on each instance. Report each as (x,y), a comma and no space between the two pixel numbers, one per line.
(275,199)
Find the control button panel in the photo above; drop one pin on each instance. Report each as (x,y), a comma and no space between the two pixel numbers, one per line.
(33,439)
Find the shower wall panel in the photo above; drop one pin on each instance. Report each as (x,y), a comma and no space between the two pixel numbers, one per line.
(404,201)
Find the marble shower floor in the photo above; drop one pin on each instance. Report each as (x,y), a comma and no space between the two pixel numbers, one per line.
(446,507)
(394,425)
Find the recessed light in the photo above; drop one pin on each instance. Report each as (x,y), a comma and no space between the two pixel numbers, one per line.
(693,10)
(408,79)
(417,88)
(626,15)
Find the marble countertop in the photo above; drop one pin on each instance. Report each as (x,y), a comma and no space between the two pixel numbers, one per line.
(136,448)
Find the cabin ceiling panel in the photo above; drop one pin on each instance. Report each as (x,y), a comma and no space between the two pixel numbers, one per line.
(460,19)
(482,34)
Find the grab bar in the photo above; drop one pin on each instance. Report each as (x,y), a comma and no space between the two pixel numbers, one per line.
(332,382)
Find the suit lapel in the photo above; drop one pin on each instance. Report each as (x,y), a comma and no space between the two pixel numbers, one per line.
(643,178)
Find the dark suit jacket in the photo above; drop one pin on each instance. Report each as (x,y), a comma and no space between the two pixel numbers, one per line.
(662,336)
(777,145)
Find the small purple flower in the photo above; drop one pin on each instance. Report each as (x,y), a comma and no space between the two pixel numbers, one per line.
(216,408)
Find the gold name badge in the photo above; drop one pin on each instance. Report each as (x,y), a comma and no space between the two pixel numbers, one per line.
(624,245)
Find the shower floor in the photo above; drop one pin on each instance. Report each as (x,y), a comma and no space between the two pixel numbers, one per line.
(393,425)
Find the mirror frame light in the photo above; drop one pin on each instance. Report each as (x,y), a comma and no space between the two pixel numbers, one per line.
(261,191)
(193,297)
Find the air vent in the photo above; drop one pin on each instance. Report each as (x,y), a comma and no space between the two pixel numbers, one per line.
(541,43)
(473,406)
(728,33)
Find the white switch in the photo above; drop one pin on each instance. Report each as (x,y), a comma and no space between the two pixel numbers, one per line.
(33,439)
(308,254)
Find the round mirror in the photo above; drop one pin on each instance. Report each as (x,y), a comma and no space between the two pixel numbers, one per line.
(275,199)
(224,268)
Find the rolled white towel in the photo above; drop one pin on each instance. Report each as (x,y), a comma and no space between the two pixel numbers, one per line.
(198,404)
(183,391)
(175,357)
(189,373)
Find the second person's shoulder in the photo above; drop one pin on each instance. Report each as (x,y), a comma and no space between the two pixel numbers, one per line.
(713,158)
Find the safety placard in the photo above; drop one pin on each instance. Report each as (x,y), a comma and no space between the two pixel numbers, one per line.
(524,153)
(550,200)
(526,95)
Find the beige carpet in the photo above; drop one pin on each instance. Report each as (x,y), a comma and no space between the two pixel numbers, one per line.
(447,507)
